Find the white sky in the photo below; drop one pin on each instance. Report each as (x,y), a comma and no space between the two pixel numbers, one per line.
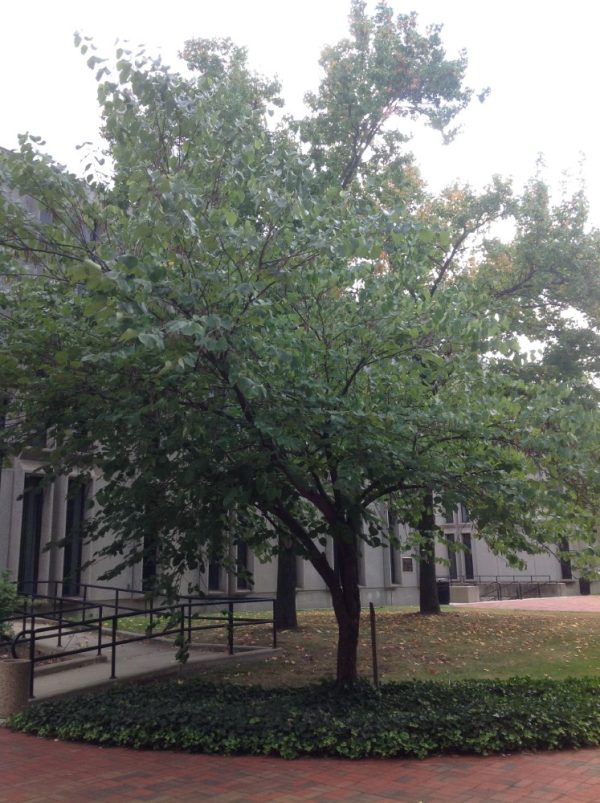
(539,58)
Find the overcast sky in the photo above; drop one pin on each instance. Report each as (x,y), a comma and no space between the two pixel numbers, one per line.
(539,58)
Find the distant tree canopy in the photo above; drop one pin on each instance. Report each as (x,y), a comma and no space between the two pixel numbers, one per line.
(256,327)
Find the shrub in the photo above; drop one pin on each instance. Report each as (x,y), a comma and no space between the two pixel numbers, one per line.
(415,719)
(8,602)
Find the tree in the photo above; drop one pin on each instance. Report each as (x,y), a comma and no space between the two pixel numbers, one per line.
(264,329)
(537,284)
(285,604)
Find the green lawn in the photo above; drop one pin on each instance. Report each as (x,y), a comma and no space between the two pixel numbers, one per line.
(465,643)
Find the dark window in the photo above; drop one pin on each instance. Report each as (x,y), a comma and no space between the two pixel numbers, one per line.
(76,497)
(149,563)
(465,517)
(243,566)
(407,564)
(214,576)
(31,533)
(449,516)
(38,438)
(466,539)
(452,557)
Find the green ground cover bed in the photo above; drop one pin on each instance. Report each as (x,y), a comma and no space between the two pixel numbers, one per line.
(416,719)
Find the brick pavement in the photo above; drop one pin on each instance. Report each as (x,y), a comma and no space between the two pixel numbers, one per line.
(34,770)
(589,604)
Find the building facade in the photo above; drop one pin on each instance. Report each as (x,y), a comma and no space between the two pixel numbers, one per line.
(41,544)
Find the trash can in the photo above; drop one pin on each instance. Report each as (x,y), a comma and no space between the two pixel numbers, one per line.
(443,589)
(584,586)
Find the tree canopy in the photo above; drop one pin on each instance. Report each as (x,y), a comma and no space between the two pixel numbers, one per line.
(254,326)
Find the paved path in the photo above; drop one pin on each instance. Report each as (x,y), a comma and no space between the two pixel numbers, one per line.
(589,604)
(143,659)
(34,770)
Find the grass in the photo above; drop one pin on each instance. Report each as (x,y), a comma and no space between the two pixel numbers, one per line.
(459,644)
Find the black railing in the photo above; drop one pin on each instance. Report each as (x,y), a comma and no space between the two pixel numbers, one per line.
(116,594)
(509,590)
(509,587)
(504,578)
(108,617)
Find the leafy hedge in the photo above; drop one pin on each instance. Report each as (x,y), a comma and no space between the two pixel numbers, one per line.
(402,719)
(8,602)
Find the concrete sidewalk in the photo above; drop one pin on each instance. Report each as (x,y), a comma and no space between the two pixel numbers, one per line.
(143,659)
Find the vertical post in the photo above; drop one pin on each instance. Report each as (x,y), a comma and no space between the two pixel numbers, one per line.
(60,621)
(182,626)
(274,628)
(31,654)
(230,627)
(84,602)
(151,614)
(117,602)
(189,635)
(100,630)
(113,658)
(374,645)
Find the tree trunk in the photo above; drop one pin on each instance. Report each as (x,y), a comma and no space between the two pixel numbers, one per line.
(341,580)
(346,605)
(566,570)
(285,604)
(347,650)
(428,593)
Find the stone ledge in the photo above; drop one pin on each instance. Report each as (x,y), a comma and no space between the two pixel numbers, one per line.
(14,686)
(464,593)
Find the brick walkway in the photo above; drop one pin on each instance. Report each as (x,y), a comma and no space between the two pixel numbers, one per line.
(40,771)
(589,604)
(34,770)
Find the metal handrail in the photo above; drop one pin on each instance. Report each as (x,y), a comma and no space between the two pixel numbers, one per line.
(506,586)
(186,612)
(517,578)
